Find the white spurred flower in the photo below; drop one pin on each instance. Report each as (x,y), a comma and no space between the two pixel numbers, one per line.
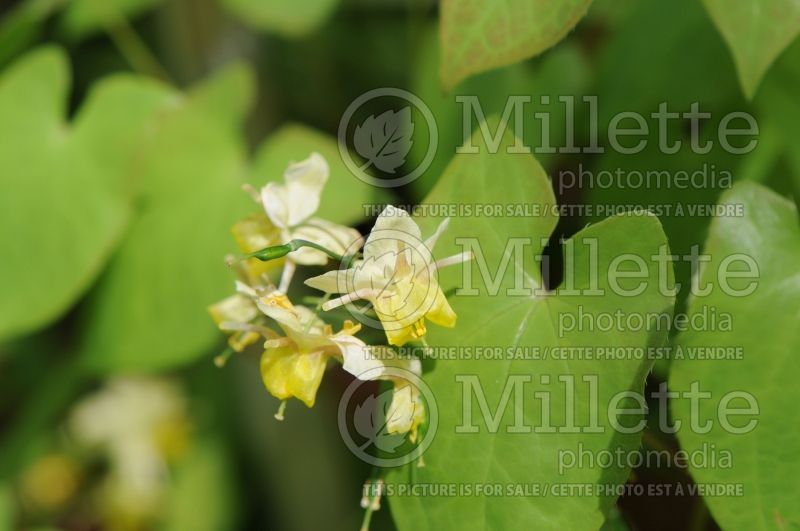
(397,275)
(407,410)
(291,205)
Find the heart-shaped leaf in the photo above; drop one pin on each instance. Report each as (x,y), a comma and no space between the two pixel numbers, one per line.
(519,324)
(762,363)
(148,310)
(756,31)
(478,35)
(66,187)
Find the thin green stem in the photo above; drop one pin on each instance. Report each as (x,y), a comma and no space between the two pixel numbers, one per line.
(134,49)
(373,501)
(296,244)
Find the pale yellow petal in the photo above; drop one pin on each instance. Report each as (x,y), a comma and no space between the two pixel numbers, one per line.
(287,373)
(394,231)
(407,410)
(304,183)
(275,198)
(236,308)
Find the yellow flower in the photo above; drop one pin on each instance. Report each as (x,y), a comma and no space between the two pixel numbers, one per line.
(398,276)
(407,410)
(235,315)
(253,233)
(293,365)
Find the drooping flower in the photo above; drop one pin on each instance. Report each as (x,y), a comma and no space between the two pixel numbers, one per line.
(407,410)
(397,275)
(293,365)
(290,206)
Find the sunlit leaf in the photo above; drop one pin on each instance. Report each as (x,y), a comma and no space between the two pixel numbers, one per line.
(66,187)
(756,31)
(479,35)
(148,310)
(764,331)
(517,322)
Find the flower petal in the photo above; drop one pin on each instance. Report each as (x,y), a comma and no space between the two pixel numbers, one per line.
(275,198)
(372,363)
(304,183)
(394,231)
(407,411)
(236,308)
(287,373)
(338,281)
(337,238)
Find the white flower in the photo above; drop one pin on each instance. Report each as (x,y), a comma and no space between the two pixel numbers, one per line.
(291,205)
(398,276)
(407,410)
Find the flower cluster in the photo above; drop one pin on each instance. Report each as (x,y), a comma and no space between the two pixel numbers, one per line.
(395,273)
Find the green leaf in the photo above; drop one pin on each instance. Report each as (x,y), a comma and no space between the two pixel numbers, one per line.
(509,321)
(84,17)
(479,35)
(284,17)
(148,310)
(343,197)
(764,327)
(756,31)
(65,200)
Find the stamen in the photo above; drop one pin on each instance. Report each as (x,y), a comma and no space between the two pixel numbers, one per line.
(364,293)
(252,192)
(281,409)
(221,359)
(286,276)
(244,289)
(431,242)
(453,260)
(371,500)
